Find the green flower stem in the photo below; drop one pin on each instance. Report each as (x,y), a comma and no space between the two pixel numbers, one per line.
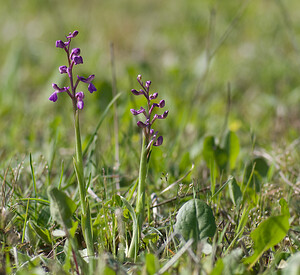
(140,201)
(78,164)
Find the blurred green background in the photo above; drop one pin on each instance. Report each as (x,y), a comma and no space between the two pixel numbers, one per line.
(193,51)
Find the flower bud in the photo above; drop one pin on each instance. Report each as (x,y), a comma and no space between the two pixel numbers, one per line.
(75,51)
(63,69)
(161,104)
(137,112)
(165,114)
(159,141)
(154,96)
(60,44)
(141,124)
(135,92)
(147,84)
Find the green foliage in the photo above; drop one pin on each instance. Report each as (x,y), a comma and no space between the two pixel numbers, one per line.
(235,192)
(225,156)
(195,220)
(62,207)
(256,172)
(269,233)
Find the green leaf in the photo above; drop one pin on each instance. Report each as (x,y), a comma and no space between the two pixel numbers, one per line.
(232,147)
(260,172)
(134,241)
(209,149)
(293,265)
(151,264)
(221,158)
(269,233)
(30,235)
(235,192)
(195,220)
(61,207)
(42,233)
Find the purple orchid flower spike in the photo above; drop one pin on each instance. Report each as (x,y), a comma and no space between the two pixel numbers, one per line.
(151,136)
(74,58)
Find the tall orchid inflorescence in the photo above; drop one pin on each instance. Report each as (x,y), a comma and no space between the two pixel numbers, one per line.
(74,58)
(149,133)
(150,137)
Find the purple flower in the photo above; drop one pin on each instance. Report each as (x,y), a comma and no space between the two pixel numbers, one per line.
(75,51)
(147,84)
(57,90)
(80,96)
(53,97)
(135,92)
(78,60)
(154,96)
(159,141)
(63,69)
(137,112)
(162,104)
(88,80)
(60,44)
(72,35)
(141,124)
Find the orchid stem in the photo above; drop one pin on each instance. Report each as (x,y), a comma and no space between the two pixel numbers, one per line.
(86,215)
(140,200)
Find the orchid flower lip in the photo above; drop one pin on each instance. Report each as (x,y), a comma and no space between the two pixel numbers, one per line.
(53,97)
(78,60)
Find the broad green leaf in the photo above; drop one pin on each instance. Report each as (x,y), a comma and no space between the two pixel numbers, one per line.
(195,220)
(235,192)
(269,233)
(61,207)
(232,147)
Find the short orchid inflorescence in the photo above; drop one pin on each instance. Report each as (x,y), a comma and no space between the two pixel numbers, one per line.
(74,58)
(151,136)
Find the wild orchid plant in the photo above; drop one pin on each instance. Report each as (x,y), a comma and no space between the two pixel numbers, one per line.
(74,58)
(150,138)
